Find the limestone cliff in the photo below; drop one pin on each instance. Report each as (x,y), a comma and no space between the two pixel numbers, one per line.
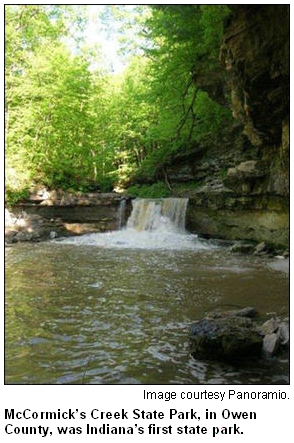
(255,55)
(242,183)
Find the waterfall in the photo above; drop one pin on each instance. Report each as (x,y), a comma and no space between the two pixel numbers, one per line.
(153,224)
(166,214)
(121,213)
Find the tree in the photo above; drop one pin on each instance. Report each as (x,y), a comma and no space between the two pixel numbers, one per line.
(72,124)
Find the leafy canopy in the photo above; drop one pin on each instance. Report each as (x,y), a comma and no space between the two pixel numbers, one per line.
(72,124)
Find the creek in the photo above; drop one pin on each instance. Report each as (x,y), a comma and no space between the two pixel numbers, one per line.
(116,307)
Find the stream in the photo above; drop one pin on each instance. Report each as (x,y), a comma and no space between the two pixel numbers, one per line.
(117,307)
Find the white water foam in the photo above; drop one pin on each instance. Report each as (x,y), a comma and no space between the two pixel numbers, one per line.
(153,224)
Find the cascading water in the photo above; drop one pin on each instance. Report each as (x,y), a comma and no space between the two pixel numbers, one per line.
(121,213)
(153,224)
(168,214)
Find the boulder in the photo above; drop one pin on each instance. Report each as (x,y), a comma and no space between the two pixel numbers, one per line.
(270,326)
(228,339)
(23,236)
(10,234)
(261,247)
(284,333)
(270,344)
(244,312)
(243,248)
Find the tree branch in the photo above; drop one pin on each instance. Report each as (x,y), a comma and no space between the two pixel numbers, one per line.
(185,116)
(166,178)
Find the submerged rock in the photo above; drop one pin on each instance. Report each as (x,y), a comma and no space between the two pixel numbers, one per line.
(229,339)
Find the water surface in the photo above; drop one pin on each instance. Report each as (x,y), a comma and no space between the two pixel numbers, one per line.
(82,313)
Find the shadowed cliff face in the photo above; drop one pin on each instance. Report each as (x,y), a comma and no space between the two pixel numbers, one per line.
(243,182)
(255,55)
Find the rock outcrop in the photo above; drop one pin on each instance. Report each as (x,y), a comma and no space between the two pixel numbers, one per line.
(240,184)
(48,214)
(255,55)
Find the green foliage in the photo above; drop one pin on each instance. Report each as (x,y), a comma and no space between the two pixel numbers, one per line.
(165,110)
(223,173)
(212,118)
(185,188)
(161,190)
(157,190)
(12,196)
(49,117)
(73,127)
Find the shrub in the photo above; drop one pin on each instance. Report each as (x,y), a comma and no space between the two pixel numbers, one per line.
(156,190)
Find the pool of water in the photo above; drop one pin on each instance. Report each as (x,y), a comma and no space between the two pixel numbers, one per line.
(85,313)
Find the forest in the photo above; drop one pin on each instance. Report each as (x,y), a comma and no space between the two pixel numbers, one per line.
(71,123)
